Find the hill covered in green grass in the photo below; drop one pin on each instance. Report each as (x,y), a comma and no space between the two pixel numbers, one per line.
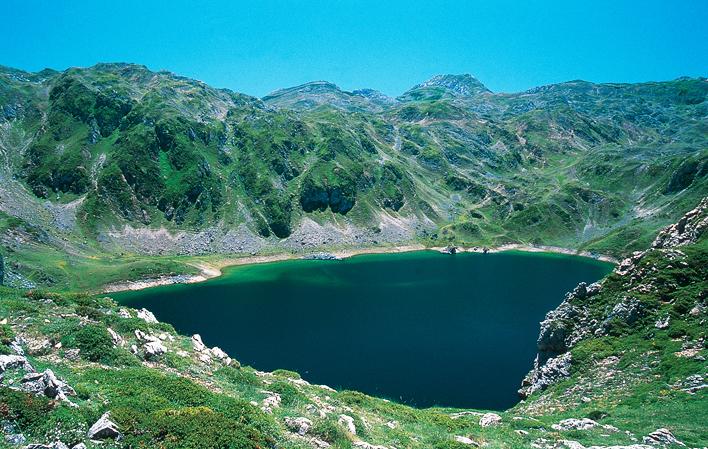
(117,159)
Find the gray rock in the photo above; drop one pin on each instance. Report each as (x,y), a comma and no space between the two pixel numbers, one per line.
(197,343)
(149,317)
(542,376)
(663,323)
(154,349)
(490,420)
(629,311)
(298,425)
(575,424)
(687,230)
(117,339)
(47,384)
(104,429)
(79,446)
(321,256)
(661,437)
(15,439)
(14,361)
(348,422)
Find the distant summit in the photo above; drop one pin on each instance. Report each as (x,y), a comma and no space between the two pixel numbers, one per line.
(446,86)
(323,93)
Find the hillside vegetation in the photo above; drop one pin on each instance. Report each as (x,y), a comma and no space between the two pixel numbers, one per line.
(116,159)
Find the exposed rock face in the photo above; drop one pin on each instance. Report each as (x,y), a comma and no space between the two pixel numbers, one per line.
(571,322)
(104,429)
(560,330)
(542,376)
(688,229)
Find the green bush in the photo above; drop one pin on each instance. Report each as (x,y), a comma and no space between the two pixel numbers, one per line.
(26,410)
(94,342)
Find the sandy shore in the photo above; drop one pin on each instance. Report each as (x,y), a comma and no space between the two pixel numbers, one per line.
(212,268)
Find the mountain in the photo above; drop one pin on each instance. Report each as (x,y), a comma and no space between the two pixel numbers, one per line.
(116,159)
(621,364)
(322,93)
(446,86)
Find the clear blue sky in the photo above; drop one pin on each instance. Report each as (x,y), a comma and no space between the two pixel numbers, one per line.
(390,45)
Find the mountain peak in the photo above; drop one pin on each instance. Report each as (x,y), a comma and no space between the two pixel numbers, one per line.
(463,85)
(445,86)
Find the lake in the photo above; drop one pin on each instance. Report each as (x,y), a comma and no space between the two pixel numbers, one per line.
(421,328)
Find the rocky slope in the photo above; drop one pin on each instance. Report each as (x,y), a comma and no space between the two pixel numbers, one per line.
(115,158)
(621,364)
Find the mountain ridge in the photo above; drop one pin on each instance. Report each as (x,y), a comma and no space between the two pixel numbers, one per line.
(121,156)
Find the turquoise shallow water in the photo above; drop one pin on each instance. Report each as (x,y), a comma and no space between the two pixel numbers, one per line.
(421,328)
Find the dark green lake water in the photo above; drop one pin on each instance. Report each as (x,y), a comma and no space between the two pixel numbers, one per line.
(421,328)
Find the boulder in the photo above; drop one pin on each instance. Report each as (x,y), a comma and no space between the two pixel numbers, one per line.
(298,425)
(14,361)
(46,384)
(628,310)
(662,437)
(663,323)
(104,429)
(348,422)
(575,424)
(490,420)
(197,343)
(218,353)
(146,315)
(154,349)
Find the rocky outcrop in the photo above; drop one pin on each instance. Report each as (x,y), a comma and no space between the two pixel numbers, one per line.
(149,317)
(560,330)
(687,230)
(104,429)
(571,321)
(154,349)
(546,374)
(14,361)
(47,384)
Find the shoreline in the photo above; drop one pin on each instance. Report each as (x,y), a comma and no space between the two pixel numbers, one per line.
(212,269)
